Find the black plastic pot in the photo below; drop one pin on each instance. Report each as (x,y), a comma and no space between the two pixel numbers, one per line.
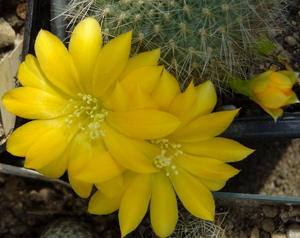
(264,128)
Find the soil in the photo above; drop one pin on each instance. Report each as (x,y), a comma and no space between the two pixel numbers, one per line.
(29,206)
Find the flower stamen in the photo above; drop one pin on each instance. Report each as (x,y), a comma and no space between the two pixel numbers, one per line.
(169,150)
(89,114)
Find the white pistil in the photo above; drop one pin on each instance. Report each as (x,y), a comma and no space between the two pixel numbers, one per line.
(89,113)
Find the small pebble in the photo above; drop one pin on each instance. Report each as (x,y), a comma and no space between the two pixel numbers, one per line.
(21,10)
(18,230)
(290,40)
(270,211)
(254,233)
(226,108)
(7,34)
(278,235)
(286,55)
(14,21)
(8,217)
(267,225)
(45,193)
(293,231)
(1,131)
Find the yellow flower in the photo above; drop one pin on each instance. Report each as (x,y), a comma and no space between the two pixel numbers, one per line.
(271,90)
(191,163)
(67,92)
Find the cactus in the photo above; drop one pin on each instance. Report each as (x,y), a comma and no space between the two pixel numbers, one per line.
(199,39)
(67,227)
(188,226)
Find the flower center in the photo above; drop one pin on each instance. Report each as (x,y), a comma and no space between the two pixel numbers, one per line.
(169,150)
(88,113)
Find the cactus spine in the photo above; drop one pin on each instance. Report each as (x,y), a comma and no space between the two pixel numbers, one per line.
(199,39)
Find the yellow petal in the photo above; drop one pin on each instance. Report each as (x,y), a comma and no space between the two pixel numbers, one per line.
(184,106)
(78,159)
(49,146)
(272,98)
(56,63)
(212,184)
(32,103)
(259,83)
(184,102)
(227,150)
(293,99)
(56,168)
(25,136)
(196,198)
(165,91)
(280,80)
(82,189)
(134,204)
(146,77)
(206,167)
(112,187)
(100,168)
(89,150)
(141,100)
(111,62)
(31,75)
(275,113)
(206,98)
(149,58)
(290,74)
(119,99)
(163,206)
(101,205)
(143,124)
(129,154)
(205,127)
(85,45)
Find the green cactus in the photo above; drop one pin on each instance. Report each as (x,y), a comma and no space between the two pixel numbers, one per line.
(67,227)
(188,226)
(199,39)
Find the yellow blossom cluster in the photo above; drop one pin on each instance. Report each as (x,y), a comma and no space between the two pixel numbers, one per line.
(122,125)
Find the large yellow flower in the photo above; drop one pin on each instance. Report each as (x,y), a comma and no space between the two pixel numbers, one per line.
(65,93)
(191,163)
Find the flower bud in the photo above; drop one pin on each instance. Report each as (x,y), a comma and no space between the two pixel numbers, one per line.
(271,90)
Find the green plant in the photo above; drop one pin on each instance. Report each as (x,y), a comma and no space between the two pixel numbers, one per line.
(199,39)
(189,226)
(67,227)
